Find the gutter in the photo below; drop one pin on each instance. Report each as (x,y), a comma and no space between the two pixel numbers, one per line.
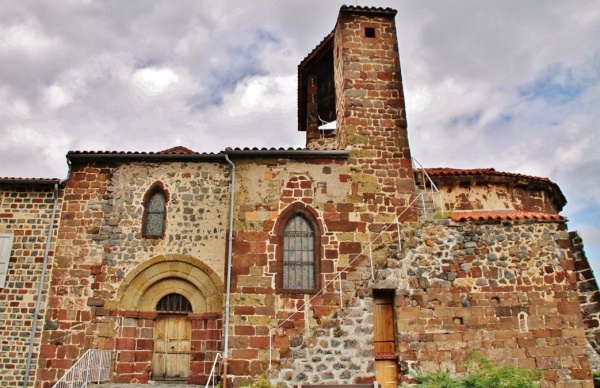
(229,263)
(30,181)
(38,302)
(266,153)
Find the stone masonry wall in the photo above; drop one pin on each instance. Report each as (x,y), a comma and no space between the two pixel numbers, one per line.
(471,195)
(353,199)
(25,212)
(100,244)
(504,290)
(588,296)
(260,315)
(370,107)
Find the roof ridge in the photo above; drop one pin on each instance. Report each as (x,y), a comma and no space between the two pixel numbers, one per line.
(177,150)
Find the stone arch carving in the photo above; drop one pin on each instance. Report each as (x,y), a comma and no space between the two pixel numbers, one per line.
(150,281)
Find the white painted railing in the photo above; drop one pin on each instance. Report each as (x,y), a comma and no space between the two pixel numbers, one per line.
(93,366)
(433,190)
(213,372)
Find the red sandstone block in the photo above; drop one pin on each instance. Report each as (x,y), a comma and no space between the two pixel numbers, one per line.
(125,343)
(566,307)
(148,315)
(59,364)
(260,342)
(331,253)
(581,374)
(245,354)
(125,368)
(257,246)
(141,356)
(129,331)
(200,335)
(347,247)
(144,344)
(240,247)
(265,310)
(48,351)
(125,356)
(341,226)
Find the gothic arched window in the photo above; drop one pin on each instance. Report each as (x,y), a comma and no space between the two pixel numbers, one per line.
(154,213)
(298,250)
(298,254)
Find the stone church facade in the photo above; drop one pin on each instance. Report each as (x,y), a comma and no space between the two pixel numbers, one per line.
(337,263)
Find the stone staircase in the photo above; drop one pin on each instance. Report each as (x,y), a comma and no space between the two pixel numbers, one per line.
(426,205)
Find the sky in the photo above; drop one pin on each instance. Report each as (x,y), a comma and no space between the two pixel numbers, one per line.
(513,85)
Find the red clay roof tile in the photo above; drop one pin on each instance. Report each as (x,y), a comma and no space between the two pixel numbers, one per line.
(444,171)
(179,150)
(504,215)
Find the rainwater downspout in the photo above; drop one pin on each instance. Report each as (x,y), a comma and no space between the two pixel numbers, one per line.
(229,262)
(38,302)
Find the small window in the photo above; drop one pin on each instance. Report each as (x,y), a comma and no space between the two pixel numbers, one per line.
(174,304)
(369,32)
(154,213)
(523,324)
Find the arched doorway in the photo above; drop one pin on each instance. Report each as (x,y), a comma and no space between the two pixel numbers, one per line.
(172,319)
(172,339)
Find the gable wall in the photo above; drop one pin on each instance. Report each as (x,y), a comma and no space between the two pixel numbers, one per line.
(25,212)
(101,244)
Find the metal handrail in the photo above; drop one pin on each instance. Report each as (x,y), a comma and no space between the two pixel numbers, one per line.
(434,188)
(212,375)
(93,366)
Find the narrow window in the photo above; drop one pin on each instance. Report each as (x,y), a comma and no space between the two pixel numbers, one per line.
(523,325)
(6,241)
(297,265)
(298,254)
(154,214)
(369,32)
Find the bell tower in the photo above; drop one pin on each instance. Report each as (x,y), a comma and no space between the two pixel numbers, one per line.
(357,68)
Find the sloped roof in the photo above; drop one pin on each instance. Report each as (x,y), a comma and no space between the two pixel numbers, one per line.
(40,181)
(183,153)
(491,174)
(445,171)
(504,215)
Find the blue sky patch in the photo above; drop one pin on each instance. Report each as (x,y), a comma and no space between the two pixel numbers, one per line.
(466,120)
(557,85)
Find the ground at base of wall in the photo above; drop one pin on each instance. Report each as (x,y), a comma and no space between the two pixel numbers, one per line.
(151,384)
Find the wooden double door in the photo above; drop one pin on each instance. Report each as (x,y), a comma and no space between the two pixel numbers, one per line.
(172,347)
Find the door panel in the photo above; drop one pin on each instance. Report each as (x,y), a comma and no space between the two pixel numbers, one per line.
(386,363)
(387,373)
(171,360)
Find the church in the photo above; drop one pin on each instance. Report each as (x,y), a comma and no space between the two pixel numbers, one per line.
(343,262)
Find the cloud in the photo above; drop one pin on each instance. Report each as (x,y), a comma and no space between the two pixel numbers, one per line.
(512,85)
(26,37)
(262,94)
(154,81)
